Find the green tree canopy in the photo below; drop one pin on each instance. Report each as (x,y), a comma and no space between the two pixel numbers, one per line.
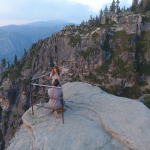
(117,6)
(106,11)
(8,64)
(25,51)
(113,6)
(15,60)
(3,63)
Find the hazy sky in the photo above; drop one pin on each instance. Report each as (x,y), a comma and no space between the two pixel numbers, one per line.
(24,11)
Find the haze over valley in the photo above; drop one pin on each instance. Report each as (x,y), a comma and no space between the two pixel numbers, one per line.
(14,39)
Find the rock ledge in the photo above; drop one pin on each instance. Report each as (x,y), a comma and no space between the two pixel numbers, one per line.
(93,120)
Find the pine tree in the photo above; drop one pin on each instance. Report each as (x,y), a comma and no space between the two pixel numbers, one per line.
(83,23)
(110,9)
(25,51)
(144,4)
(119,10)
(140,4)
(148,5)
(147,42)
(124,9)
(94,21)
(135,5)
(101,14)
(106,12)
(97,22)
(91,18)
(113,6)
(1,68)
(117,6)
(3,63)
(15,60)
(8,64)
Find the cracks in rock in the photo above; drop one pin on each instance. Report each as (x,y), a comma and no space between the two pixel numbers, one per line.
(69,107)
(113,134)
(95,94)
(32,134)
(44,142)
(79,103)
(22,132)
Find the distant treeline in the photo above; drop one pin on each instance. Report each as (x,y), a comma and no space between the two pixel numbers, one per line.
(137,7)
(140,6)
(5,64)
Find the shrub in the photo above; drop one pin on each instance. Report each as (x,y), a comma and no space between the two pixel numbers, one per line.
(25,107)
(13,75)
(1,112)
(85,54)
(13,72)
(5,114)
(56,48)
(143,83)
(146,91)
(14,116)
(147,100)
(131,92)
(1,135)
(33,53)
(90,51)
(95,35)
(121,34)
(93,78)
(108,25)
(25,82)
(2,89)
(74,40)
(146,19)
(144,69)
(106,89)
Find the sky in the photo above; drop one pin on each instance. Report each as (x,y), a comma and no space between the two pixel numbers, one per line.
(26,11)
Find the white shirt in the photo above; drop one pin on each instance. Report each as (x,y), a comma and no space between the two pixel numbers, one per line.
(55,77)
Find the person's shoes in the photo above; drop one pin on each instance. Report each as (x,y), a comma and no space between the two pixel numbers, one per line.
(56,114)
(65,108)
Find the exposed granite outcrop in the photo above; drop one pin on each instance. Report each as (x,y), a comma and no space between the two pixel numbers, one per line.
(131,23)
(93,120)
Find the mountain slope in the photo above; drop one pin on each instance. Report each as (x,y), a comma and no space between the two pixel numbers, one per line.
(112,55)
(13,44)
(13,38)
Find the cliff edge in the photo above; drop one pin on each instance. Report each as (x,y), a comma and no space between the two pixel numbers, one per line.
(93,120)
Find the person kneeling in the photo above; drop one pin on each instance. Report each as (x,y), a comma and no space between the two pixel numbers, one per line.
(55,94)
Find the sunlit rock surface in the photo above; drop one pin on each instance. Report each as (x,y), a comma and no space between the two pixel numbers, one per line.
(93,120)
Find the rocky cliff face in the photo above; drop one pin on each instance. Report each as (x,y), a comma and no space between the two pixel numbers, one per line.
(93,120)
(14,39)
(112,56)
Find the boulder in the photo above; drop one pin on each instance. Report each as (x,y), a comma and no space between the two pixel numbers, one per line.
(93,120)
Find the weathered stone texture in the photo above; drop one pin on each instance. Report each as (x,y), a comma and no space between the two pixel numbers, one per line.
(93,120)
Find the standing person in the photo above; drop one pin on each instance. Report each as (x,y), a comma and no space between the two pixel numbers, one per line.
(54,75)
(55,94)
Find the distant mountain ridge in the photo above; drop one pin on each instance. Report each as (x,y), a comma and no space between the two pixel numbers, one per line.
(112,55)
(14,38)
(47,23)
(13,44)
